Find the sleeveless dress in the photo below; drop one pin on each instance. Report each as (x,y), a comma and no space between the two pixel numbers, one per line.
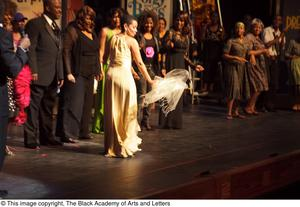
(120,103)
(98,123)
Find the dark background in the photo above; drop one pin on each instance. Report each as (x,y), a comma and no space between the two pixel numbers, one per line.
(232,10)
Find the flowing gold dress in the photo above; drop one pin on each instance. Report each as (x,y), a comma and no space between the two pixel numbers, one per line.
(120,103)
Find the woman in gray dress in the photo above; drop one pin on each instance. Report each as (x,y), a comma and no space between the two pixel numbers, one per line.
(258,81)
(236,82)
(293,53)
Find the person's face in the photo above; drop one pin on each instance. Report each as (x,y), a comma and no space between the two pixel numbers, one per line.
(7,23)
(240,30)
(21,24)
(131,29)
(257,29)
(161,25)
(149,25)
(277,21)
(214,19)
(116,20)
(89,23)
(54,9)
(179,23)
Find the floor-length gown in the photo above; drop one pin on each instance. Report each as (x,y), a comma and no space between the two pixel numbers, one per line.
(120,103)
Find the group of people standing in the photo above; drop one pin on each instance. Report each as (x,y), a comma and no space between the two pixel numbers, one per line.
(252,67)
(248,64)
(12,61)
(124,59)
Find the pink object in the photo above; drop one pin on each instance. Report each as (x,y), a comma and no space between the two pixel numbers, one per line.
(149,52)
(22,93)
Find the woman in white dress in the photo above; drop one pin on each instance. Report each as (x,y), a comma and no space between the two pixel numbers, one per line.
(120,117)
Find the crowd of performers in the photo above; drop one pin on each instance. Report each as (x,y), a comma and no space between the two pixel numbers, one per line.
(68,67)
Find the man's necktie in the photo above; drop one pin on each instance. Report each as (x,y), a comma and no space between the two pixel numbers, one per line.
(55,28)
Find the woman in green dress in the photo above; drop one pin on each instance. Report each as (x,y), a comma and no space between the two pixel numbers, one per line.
(114,27)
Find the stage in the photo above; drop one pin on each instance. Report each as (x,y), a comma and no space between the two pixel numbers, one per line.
(211,157)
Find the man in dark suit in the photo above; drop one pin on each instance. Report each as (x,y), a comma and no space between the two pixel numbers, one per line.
(10,65)
(45,61)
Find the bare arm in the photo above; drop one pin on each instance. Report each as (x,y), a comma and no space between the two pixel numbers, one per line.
(102,44)
(258,52)
(233,58)
(135,51)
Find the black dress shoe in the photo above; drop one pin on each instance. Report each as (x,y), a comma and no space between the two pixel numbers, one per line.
(69,140)
(86,137)
(53,142)
(3,193)
(32,146)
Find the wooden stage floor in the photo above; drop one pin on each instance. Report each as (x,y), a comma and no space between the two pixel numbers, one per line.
(171,163)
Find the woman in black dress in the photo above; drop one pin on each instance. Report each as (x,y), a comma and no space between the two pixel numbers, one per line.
(212,52)
(177,45)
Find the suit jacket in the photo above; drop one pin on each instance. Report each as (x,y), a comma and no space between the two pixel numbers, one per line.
(45,52)
(11,64)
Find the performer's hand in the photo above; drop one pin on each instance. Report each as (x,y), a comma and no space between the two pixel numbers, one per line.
(25,43)
(266,51)
(199,68)
(71,78)
(135,75)
(102,75)
(252,60)
(151,82)
(34,76)
(60,83)
(241,59)
(164,72)
(172,44)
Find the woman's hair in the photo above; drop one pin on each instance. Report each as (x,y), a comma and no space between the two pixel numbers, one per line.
(127,19)
(163,19)
(82,14)
(110,15)
(7,22)
(239,24)
(142,19)
(183,16)
(257,21)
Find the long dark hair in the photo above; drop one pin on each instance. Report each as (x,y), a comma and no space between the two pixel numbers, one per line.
(110,15)
(142,19)
(185,18)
